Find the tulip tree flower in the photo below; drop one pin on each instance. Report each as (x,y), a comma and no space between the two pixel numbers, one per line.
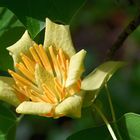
(47,78)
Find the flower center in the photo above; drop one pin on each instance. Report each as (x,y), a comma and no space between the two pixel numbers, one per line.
(42,75)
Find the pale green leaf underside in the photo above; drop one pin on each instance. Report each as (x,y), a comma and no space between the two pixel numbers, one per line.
(100,75)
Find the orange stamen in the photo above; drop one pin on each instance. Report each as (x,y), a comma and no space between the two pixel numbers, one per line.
(60,88)
(54,62)
(28,63)
(25,71)
(34,55)
(57,64)
(49,93)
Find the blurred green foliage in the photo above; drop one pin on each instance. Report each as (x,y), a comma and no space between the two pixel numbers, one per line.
(33,13)
(8,123)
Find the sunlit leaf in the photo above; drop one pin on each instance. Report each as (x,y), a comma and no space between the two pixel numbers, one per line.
(129,126)
(7,20)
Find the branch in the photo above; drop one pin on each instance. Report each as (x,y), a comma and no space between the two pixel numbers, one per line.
(121,38)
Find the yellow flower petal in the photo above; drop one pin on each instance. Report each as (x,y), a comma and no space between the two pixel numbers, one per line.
(59,35)
(38,108)
(7,93)
(22,45)
(71,106)
(76,68)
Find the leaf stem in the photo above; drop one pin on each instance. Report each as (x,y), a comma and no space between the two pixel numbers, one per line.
(112,112)
(106,122)
(20,117)
(110,103)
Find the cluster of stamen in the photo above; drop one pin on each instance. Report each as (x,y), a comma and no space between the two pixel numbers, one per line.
(56,63)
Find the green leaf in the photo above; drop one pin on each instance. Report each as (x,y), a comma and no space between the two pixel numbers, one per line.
(33,13)
(7,20)
(6,39)
(128,126)
(10,30)
(7,123)
(96,79)
(96,133)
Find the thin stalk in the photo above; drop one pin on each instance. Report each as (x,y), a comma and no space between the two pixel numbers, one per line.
(19,118)
(106,122)
(110,103)
(112,112)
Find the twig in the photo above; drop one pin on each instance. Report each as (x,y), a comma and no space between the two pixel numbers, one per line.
(121,38)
